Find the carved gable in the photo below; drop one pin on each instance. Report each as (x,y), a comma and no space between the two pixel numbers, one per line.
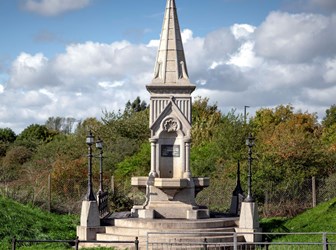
(171,119)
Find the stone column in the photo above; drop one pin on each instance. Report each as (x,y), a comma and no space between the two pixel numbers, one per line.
(153,157)
(187,173)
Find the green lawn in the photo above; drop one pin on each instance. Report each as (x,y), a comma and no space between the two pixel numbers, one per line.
(316,220)
(26,222)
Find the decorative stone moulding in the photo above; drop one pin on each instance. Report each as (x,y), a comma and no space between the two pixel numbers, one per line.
(171,124)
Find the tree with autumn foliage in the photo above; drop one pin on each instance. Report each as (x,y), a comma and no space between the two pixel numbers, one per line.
(288,151)
(329,130)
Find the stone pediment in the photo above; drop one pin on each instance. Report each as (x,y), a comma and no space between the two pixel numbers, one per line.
(171,119)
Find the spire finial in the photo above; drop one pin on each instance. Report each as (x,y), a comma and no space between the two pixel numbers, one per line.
(170,65)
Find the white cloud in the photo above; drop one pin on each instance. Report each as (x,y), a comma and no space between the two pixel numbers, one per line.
(2,89)
(153,43)
(296,38)
(245,57)
(287,59)
(28,70)
(241,31)
(80,82)
(109,85)
(186,35)
(54,7)
(330,74)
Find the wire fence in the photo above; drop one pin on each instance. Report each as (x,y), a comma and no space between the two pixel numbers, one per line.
(274,200)
(66,197)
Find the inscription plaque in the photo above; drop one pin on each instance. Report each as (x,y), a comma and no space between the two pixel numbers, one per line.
(170,150)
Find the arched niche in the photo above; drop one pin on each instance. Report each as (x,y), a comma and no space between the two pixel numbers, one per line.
(171,149)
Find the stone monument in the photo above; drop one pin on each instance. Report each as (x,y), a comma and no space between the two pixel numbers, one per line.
(170,188)
(170,213)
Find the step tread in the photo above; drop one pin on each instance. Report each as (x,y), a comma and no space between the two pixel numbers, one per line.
(127,230)
(176,224)
(160,238)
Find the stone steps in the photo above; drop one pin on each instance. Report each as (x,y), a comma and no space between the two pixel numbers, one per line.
(164,224)
(169,241)
(138,231)
(169,232)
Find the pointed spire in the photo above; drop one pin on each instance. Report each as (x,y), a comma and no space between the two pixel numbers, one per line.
(170,65)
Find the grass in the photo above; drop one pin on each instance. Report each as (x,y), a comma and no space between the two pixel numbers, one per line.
(26,222)
(316,220)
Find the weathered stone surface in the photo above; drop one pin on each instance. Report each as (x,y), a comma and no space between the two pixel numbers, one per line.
(249,221)
(170,190)
(89,214)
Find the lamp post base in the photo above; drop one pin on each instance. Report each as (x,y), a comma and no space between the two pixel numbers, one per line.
(90,214)
(249,221)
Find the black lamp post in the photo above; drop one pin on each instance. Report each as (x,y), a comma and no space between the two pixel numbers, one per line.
(250,144)
(89,141)
(99,145)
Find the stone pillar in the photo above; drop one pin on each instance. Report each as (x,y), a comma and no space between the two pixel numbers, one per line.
(89,221)
(153,158)
(187,172)
(157,160)
(249,222)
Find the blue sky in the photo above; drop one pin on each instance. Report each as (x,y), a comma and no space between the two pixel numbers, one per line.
(75,58)
(110,20)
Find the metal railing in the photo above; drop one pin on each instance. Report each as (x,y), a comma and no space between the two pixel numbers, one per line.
(236,241)
(76,243)
(102,199)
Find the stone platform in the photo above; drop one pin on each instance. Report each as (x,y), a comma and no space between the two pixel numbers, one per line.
(163,231)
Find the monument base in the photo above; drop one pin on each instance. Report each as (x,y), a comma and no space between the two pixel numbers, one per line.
(168,212)
(249,222)
(170,198)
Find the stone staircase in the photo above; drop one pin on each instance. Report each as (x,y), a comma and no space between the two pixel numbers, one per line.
(168,233)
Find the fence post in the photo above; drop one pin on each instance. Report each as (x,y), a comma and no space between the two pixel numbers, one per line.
(14,243)
(266,241)
(314,190)
(235,244)
(136,242)
(77,243)
(325,241)
(205,244)
(112,184)
(49,192)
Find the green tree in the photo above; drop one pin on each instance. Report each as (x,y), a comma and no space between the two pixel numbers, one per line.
(35,133)
(7,135)
(136,106)
(329,133)
(330,117)
(89,124)
(288,151)
(205,121)
(61,124)
(329,127)
(11,166)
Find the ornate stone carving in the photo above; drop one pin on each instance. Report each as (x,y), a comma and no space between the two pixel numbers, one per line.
(184,70)
(170,125)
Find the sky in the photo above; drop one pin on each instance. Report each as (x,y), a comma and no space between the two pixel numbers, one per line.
(78,58)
